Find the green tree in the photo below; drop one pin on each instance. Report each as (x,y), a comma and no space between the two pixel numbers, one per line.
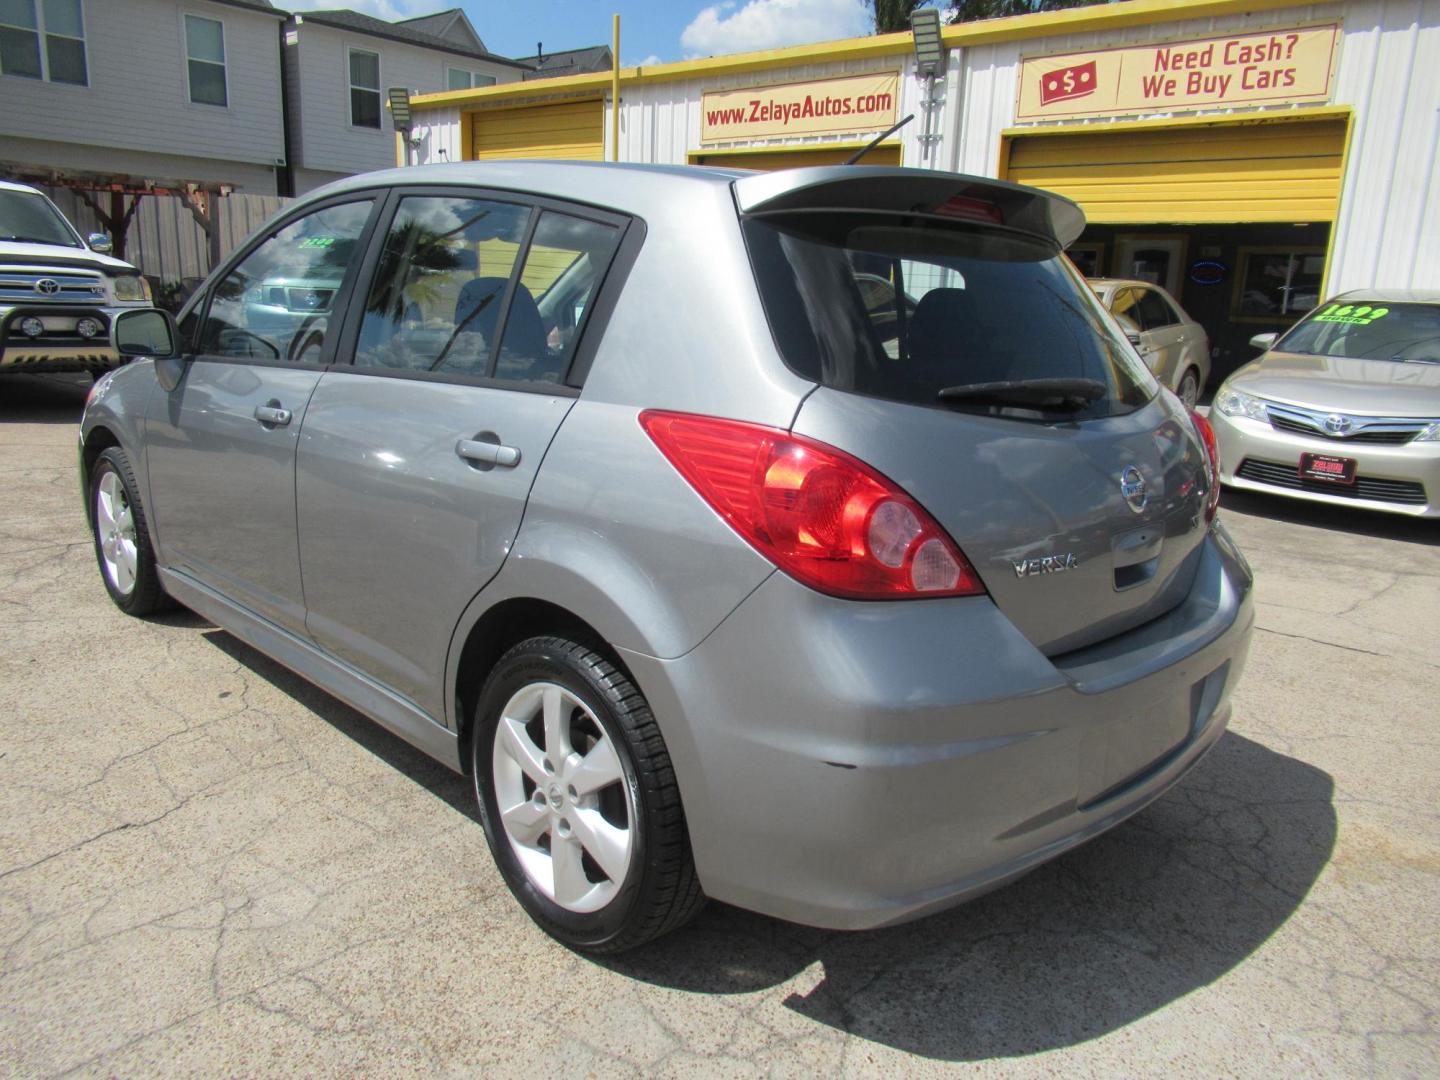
(974,10)
(893,15)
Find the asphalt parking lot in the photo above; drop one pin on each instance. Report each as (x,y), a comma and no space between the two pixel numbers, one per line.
(208,867)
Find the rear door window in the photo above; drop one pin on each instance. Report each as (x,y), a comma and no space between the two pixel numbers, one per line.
(482,288)
(960,305)
(440,287)
(1155,313)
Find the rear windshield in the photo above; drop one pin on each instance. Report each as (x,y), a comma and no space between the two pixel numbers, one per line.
(901,307)
(1373,331)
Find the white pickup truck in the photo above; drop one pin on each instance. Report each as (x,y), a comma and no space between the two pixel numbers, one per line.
(58,294)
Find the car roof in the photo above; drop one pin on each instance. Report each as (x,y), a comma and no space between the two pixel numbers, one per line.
(605,183)
(1388,296)
(1113,282)
(10,185)
(637,188)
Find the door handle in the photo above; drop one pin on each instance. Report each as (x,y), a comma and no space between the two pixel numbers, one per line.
(272,414)
(488,453)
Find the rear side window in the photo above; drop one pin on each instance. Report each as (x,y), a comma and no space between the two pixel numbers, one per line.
(902,307)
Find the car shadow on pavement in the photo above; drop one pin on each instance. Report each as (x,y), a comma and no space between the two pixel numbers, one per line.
(1160,906)
(1164,904)
(1346,519)
(450,787)
(43,399)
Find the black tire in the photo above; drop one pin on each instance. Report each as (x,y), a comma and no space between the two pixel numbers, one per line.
(145,595)
(660,891)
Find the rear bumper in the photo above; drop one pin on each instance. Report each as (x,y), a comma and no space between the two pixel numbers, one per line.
(852,765)
(1402,479)
(59,348)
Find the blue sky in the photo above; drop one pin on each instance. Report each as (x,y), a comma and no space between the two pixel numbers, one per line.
(651,31)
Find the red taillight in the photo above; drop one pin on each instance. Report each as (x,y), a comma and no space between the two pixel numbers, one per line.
(826,519)
(1212,462)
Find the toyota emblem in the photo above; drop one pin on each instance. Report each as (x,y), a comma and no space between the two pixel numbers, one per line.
(1132,486)
(1337,424)
(47,286)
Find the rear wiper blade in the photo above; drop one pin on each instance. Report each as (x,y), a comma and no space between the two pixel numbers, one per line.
(1043,393)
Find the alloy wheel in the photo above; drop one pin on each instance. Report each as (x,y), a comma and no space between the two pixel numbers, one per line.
(563,799)
(115,523)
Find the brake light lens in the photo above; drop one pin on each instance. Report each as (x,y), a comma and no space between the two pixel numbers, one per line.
(825,518)
(1212,462)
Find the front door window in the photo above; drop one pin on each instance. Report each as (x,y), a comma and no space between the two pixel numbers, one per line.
(276,304)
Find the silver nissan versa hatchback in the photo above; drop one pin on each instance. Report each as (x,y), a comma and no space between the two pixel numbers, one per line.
(606,485)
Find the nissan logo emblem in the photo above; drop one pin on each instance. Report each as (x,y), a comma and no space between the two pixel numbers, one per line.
(1132,486)
(47,286)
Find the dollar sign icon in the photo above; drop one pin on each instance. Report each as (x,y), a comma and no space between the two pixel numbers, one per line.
(1069,81)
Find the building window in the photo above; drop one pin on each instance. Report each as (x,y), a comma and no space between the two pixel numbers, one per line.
(460,79)
(365,89)
(61,25)
(1278,284)
(205,58)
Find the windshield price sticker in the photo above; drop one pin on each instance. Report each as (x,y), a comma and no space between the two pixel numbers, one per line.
(1351,314)
(317,242)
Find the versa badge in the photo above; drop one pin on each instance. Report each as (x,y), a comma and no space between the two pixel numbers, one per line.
(1046,564)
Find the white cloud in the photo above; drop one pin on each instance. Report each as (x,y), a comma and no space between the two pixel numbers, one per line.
(769,24)
(644,61)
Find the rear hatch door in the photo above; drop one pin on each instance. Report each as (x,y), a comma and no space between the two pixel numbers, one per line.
(1080,502)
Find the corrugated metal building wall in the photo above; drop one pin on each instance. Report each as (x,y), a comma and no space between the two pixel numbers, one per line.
(1386,231)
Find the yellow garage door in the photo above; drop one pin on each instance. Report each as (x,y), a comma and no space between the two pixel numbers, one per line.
(885,154)
(573,129)
(1191,174)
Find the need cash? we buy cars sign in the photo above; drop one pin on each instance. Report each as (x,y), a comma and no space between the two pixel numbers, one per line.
(1181,76)
(857,103)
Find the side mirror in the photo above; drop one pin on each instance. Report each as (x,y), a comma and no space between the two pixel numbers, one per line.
(100,243)
(1264,341)
(150,332)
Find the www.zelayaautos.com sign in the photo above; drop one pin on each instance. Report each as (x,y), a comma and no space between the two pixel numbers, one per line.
(857,103)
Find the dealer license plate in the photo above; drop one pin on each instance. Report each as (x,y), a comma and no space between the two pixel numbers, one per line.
(1335,470)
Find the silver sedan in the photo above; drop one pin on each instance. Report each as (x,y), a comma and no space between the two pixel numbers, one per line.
(1173,345)
(1344,408)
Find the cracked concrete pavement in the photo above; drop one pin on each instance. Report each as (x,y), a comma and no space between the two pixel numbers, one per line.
(208,867)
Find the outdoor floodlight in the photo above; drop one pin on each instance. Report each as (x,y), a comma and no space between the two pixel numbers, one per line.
(929,48)
(400,108)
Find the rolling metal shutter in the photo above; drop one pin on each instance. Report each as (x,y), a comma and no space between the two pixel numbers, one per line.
(1190,174)
(884,154)
(573,130)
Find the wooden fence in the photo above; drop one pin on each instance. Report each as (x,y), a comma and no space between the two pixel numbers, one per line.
(165,241)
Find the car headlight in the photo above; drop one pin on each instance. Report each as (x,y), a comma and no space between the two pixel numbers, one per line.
(1234,403)
(131,287)
(1430,434)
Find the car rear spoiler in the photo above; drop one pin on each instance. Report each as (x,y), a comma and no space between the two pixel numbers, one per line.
(1040,214)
